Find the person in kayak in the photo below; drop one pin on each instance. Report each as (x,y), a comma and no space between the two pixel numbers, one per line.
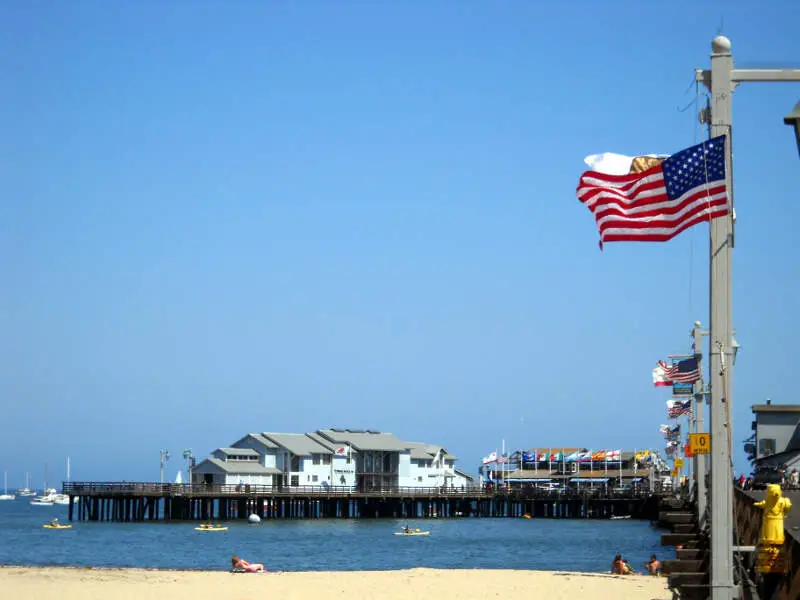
(240,564)
(406,529)
(54,522)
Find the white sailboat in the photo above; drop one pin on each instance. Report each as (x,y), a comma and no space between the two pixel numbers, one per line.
(62,498)
(46,499)
(5,495)
(26,491)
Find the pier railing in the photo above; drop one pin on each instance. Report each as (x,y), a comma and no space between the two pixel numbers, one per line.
(123,488)
(116,488)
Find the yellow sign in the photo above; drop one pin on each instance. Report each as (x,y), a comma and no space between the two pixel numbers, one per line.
(678,463)
(700,443)
(674,472)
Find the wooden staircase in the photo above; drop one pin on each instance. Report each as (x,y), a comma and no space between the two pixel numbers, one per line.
(689,573)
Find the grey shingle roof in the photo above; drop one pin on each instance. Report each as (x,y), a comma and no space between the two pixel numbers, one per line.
(298,444)
(238,451)
(260,437)
(257,437)
(322,441)
(418,452)
(236,467)
(421,450)
(366,440)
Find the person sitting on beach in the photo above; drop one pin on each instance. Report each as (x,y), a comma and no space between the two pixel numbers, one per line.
(240,564)
(627,568)
(617,566)
(653,565)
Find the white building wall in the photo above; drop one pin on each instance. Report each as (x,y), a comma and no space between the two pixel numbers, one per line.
(460,481)
(268,455)
(404,470)
(310,471)
(246,479)
(344,473)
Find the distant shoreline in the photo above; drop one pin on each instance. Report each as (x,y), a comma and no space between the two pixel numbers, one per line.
(115,583)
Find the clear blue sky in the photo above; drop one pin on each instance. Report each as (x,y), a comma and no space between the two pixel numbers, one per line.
(223,217)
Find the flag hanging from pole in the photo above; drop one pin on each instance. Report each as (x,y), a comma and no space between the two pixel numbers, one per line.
(676,408)
(685,371)
(660,202)
(661,374)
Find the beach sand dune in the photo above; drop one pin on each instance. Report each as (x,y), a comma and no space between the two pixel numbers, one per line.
(412,584)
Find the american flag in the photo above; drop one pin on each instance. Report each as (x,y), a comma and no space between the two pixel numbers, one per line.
(657,204)
(676,408)
(685,371)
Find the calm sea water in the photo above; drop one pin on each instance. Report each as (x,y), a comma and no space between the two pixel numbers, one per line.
(326,545)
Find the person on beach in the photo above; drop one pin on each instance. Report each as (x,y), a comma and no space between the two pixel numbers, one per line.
(617,566)
(653,565)
(240,564)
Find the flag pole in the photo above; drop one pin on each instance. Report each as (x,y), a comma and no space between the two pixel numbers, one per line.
(502,464)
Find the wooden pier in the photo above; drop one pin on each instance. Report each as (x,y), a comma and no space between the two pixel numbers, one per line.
(136,502)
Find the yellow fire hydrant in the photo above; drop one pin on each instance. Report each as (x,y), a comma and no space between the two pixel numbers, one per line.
(770,544)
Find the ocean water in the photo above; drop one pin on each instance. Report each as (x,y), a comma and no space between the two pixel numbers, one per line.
(327,545)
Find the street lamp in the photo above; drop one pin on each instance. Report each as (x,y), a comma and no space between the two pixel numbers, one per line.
(164,459)
(793,120)
(736,347)
(188,456)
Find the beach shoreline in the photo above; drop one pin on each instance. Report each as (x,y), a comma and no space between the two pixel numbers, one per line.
(88,583)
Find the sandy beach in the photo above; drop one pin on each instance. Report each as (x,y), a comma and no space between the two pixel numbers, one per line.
(416,584)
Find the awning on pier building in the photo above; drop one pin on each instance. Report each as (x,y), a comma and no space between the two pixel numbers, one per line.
(589,479)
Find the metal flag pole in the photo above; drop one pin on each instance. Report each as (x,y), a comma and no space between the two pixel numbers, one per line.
(699,407)
(722,80)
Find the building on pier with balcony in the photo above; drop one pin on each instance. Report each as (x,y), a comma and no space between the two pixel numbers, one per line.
(353,459)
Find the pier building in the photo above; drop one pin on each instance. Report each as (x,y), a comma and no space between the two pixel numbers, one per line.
(352,459)
(776,436)
(570,467)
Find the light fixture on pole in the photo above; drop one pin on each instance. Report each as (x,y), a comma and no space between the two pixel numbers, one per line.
(736,348)
(164,459)
(793,120)
(188,456)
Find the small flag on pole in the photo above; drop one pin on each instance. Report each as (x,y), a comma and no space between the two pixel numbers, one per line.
(676,408)
(685,371)
(660,202)
(661,374)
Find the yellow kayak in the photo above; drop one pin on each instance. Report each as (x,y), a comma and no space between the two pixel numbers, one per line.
(413,533)
(48,526)
(211,529)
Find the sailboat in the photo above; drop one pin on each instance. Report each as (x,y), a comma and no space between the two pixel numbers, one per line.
(26,491)
(62,498)
(5,495)
(46,499)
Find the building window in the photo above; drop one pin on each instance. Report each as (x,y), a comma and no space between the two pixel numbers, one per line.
(315,459)
(766,446)
(419,478)
(314,478)
(326,459)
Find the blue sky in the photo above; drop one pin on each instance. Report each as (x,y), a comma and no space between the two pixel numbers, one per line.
(222,217)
